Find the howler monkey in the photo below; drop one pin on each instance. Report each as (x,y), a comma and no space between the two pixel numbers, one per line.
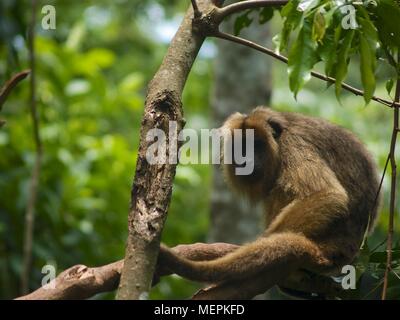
(318,185)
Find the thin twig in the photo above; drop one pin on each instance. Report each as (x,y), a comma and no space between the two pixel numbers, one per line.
(372,290)
(244,5)
(10,84)
(396,274)
(245,42)
(389,244)
(381,182)
(379,245)
(33,187)
(375,204)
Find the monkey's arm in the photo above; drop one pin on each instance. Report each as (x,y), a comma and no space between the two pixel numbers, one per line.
(266,254)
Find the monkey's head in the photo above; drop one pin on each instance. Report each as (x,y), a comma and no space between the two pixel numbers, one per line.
(253,173)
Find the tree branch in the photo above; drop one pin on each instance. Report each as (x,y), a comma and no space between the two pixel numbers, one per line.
(209,26)
(33,187)
(393,166)
(152,187)
(250,44)
(244,5)
(196,11)
(10,85)
(79,282)
(82,282)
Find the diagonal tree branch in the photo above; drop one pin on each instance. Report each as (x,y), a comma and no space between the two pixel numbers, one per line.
(196,12)
(250,44)
(79,282)
(8,87)
(11,84)
(244,5)
(208,24)
(82,282)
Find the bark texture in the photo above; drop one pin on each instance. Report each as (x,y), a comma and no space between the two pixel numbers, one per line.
(152,187)
(82,282)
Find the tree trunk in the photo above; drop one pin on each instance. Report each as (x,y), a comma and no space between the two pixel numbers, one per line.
(152,186)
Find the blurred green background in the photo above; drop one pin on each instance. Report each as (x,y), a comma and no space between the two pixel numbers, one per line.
(92,73)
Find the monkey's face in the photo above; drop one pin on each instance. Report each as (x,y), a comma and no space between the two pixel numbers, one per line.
(252,146)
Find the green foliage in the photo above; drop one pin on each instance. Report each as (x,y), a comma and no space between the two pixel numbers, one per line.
(342,60)
(245,19)
(340,31)
(91,77)
(91,80)
(367,67)
(266,14)
(242,21)
(291,19)
(319,26)
(302,58)
(386,15)
(370,268)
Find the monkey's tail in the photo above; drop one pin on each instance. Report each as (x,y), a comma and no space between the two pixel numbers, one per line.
(283,250)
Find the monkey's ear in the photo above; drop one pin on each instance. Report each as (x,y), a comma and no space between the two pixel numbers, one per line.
(276,128)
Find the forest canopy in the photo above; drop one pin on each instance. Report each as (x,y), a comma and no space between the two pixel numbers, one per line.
(91,79)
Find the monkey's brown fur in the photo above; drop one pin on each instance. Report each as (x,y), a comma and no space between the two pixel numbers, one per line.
(318,185)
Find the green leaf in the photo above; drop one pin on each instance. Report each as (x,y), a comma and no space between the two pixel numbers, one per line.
(338,33)
(287,9)
(329,16)
(388,13)
(342,61)
(327,51)
(302,58)
(307,5)
(318,30)
(103,58)
(292,18)
(380,257)
(368,29)
(76,36)
(389,86)
(367,68)
(242,22)
(265,15)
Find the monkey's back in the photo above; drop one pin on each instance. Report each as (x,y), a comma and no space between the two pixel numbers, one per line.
(347,157)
